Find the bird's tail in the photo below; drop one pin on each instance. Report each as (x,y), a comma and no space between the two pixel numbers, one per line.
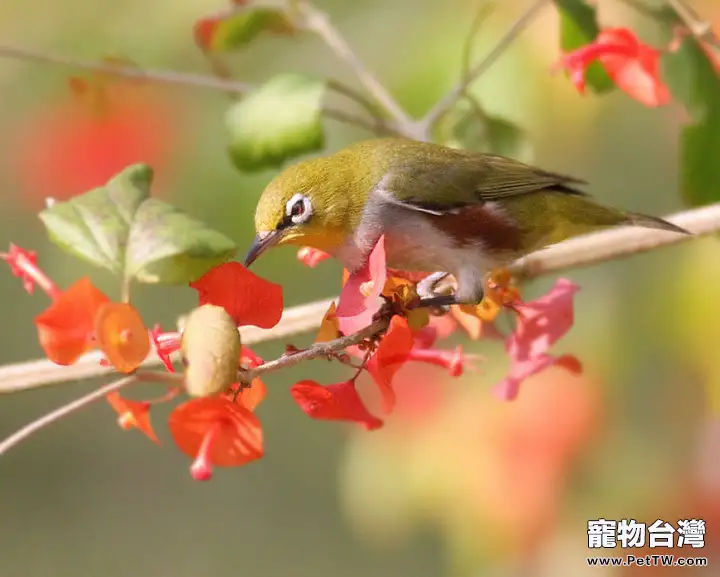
(639,219)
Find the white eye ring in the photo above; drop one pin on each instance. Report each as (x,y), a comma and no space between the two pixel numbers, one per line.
(306,208)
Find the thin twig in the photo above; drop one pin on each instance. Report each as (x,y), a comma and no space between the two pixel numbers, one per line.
(174,78)
(318,22)
(446,103)
(700,28)
(160,76)
(317,351)
(22,434)
(581,251)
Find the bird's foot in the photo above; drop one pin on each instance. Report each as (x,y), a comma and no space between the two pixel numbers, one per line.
(439,301)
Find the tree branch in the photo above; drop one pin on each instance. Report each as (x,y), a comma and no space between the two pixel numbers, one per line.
(445,104)
(573,253)
(179,79)
(701,29)
(317,351)
(65,410)
(319,22)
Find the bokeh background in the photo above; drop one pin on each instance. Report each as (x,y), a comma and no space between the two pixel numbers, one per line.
(458,483)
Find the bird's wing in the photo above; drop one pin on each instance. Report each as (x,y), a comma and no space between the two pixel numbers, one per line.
(439,186)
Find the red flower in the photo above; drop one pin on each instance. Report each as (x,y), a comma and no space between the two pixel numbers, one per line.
(359,299)
(247,298)
(392,352)
(70,148)
(133,414)
(540,324)
(67,326)
(338,402)
(23,264)
(632,65)
(164,345)
(311,256)
(216,431)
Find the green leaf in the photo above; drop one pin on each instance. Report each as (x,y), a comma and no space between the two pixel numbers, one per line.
(120,228)
(693,80)
(473,129)
(95,226)
(700,158)
(167,246)
(241,25)
(278,121)
(578,27)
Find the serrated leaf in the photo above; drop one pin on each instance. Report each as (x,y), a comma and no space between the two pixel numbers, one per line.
(118,227)
(694,81)
(486,133)
(278,121)
(95,226)
(578,27)
(237,28)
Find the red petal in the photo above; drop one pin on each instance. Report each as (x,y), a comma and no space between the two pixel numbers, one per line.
(203,31)
(355,310)
(311,256)
(165,344)
(253,395)
(509,387)
(338,402)
(638,76)
(247,298)
(122,336)
(392,352)
(133,414)
(65,328)
(542,322)
(23,264)
(240,440)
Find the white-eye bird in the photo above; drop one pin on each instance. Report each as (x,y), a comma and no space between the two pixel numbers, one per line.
(442,210)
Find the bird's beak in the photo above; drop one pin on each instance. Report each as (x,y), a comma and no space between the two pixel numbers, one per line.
(261,243)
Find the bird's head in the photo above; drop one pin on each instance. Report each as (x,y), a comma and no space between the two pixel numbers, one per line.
(311,203)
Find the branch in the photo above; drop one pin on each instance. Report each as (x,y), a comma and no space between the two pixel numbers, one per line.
(176,79)
(317,351)
(701,29)
(19,436)
(319,22)
(446,103)
(573,253)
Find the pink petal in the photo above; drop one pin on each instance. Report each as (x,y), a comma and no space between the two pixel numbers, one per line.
(542,322)
(508,388)
(355,310)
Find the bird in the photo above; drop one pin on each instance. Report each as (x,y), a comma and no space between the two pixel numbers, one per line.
(441,211)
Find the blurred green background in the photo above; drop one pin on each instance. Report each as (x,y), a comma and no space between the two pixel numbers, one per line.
(464,485)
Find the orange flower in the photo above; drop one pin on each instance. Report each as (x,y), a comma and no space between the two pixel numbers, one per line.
(122,336)
(66,327)
(216,431)
(133,414)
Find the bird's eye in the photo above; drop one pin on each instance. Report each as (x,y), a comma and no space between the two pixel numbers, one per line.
(298,209)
